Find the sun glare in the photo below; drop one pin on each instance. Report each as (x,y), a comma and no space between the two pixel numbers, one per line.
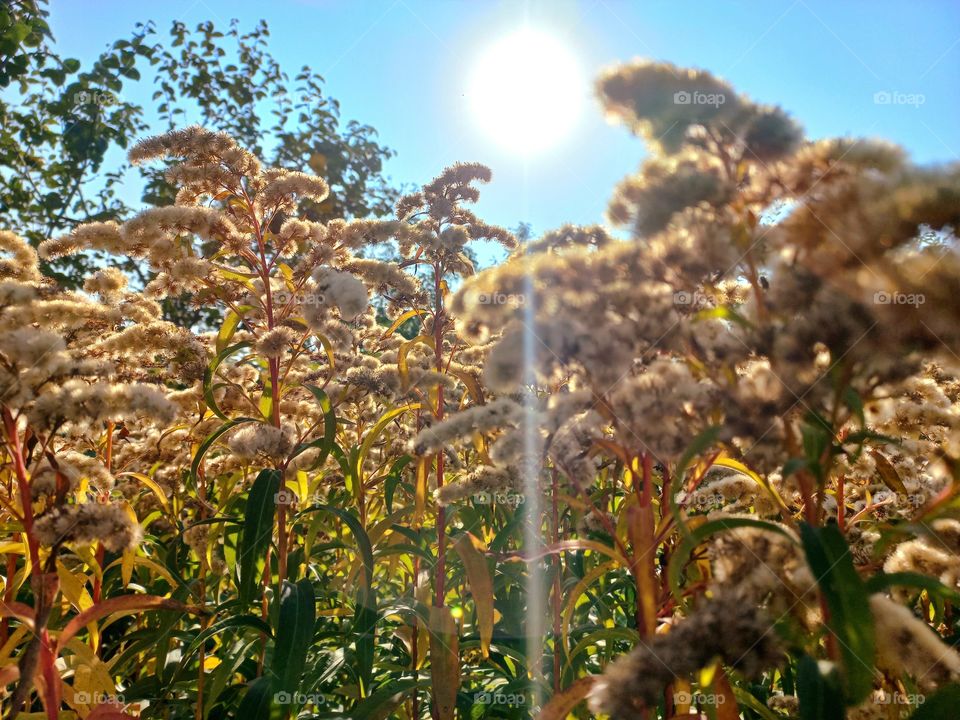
(527,91)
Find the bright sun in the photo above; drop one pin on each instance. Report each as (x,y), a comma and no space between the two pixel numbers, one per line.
(526,91)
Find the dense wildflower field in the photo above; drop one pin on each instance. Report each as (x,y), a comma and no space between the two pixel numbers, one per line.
(703,466)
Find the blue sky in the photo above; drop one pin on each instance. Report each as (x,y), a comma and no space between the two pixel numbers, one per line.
(404,66)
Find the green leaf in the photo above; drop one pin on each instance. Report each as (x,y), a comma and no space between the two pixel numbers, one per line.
(365,632)
(363,540)
(257,530)
(820,696)
(851,621)
(257,700)
(294,631)
(941,705)
(211,372)
(882,581)
(328,441)
(394,478)
(382,703)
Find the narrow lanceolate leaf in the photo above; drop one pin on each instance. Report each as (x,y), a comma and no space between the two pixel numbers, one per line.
(400,321)
(294,633)
(120,604)
(327,442)
(481,587)
(942,704)
(727,707)
(444,661)
(229,327)
(373,434)
(851,621)
(383,703)
(257,700)
(563,703)
(365,632)
(257,530)
(210,374)
(820,695)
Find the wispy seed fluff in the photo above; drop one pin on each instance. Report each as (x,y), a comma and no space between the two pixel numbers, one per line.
(88,523)
(262,440)
(484,479)
(78,401)
(335,287)
(23,263)
(107,283)
(476,419)
(274,343)
(278,191)
(724,628)
(906,645)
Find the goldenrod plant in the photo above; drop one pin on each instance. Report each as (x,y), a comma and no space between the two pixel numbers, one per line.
(704,465)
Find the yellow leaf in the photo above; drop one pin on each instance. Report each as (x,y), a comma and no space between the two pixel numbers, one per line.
(405,348)
(444,661)
(481,586)
(423,465)
(151,485)
(400,321)
(374,433)
(74,588)
(228,328)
